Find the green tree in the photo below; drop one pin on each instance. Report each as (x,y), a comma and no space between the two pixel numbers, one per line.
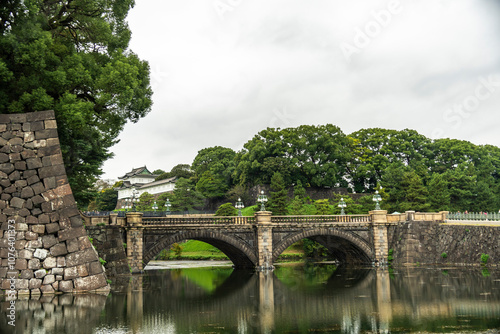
(181,170)
(211,186)
(146,201)
(226,209)
(73,57)
(162,199)
(106,199)
(416,193)
(485,198)
(405,189)
(439,195)
(185,196)
(239,192)
(178,171)
(367,204)
(220,161)
(322,207)
(447,154)
(462,186)
(278,198)
(316,155)
(351,206)
(296,207)
(393,183)
(373,150)
(299,191)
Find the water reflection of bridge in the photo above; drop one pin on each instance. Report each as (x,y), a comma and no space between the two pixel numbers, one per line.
(260,302)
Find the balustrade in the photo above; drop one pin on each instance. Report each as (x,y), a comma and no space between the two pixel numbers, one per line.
(151,221)
(321,219)
(474,216)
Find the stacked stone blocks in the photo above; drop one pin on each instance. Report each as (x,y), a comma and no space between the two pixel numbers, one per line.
(380,241)
(52,250)
(135,233)
(264,240)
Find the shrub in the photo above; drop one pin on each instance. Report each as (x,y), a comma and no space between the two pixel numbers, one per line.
(444,255)
(177,249)
(484,258)
(226,210)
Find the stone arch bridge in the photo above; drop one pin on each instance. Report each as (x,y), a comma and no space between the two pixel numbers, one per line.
(256,242)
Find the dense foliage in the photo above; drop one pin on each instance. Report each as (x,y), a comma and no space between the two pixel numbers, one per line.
(411,171)
(226,209)
(72,57)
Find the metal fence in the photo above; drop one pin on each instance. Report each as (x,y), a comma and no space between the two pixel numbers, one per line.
(97,213)
(146,213)
(478,216)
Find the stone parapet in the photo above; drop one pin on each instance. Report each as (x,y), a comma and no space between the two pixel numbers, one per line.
(134,219)
(263,217)
(378,216)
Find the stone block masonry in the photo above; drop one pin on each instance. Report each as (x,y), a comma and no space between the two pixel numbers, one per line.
(432,242)
(51,250)
(109,243)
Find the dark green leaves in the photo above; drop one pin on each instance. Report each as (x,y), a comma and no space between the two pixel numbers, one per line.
(72,57)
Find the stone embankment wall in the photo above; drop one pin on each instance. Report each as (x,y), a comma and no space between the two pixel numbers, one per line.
(44,247)
(109,243)
(431,242)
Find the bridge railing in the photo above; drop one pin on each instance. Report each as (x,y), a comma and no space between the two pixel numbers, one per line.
(396,217)
(475,216)
(153,221)
(321,219)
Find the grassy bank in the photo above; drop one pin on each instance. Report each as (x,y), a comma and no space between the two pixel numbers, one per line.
(198,250)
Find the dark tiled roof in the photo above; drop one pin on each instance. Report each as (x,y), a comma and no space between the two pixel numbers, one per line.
(137,171)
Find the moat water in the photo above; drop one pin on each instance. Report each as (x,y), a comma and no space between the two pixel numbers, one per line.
(303,298)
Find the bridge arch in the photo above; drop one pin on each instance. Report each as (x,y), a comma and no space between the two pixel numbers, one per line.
(346,246)
(237,251)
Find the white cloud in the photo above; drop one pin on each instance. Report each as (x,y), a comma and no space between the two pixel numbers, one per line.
(220,81)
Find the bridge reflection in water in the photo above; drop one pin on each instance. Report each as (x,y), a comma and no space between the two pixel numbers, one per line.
(291,299)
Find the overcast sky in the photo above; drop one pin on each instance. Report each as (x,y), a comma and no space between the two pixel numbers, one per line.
(223,70)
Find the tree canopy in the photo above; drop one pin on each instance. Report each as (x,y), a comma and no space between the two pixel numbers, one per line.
(410,171)
(178,171)
(315,155)
(73,57)
(415,172)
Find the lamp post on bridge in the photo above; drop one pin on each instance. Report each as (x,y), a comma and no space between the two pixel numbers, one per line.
(155,206)
(135,198)
(125,204)
(239,205)
(262,199)
(167,206)
(377,199)
(342,205)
